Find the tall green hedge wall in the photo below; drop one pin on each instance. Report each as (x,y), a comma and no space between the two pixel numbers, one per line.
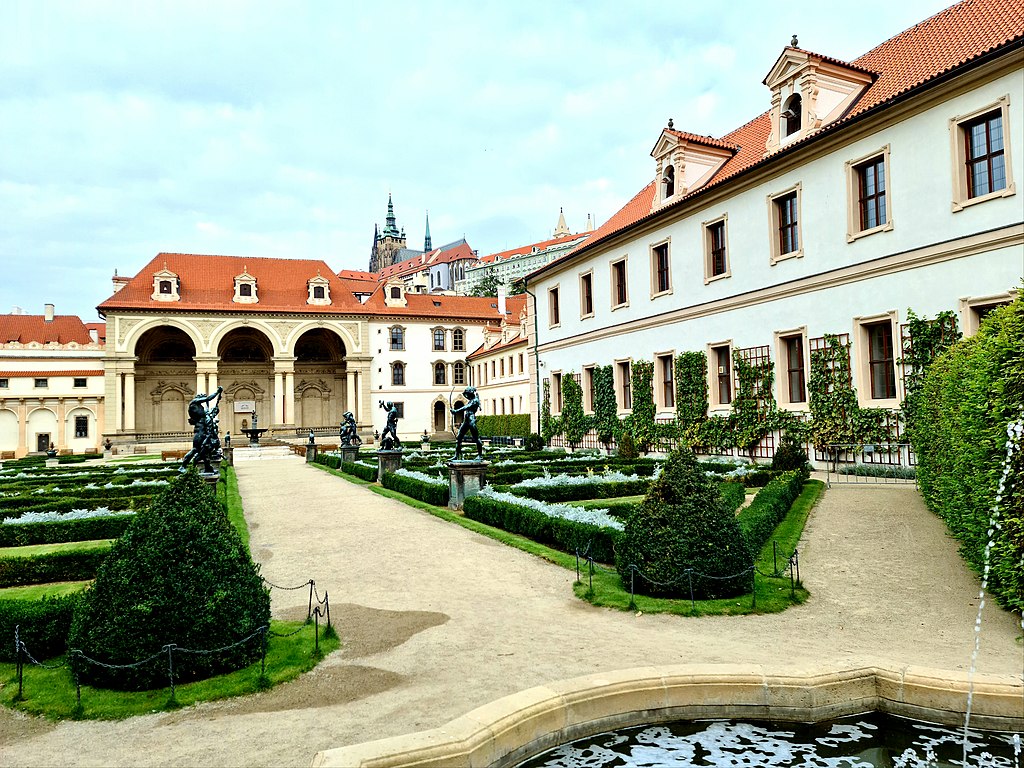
(509,425)
(970,394)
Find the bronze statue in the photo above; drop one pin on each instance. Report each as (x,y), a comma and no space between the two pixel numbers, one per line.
(389,437)
(348,434)
(205,440)
(468,425)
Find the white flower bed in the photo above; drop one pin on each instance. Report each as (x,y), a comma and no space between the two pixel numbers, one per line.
(75,514)
(603,477)
(421,477)
(598,517)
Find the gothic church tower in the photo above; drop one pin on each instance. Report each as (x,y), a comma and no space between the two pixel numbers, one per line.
(387,242)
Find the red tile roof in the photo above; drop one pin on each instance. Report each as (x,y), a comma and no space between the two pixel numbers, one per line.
(207,284)
(49,374)
(822,57)
(483,350)
(525,249)
(694,138)
(435,305)
(28,328)
(949,39)
(428,259)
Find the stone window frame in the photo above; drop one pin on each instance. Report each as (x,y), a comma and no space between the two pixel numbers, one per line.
(623,372)
(663,394)
(554,307)
(958,155)
(709,242)
(391,338)
(782,361)
(774,224)
(653,249)
(586,278)
(970,318)
(853,217)
(862,364)
(396,366)
(433,339)
(612,270)
(714,392)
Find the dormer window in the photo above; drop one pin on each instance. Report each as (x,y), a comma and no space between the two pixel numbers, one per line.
(394,295)
(245,288)
(668,182)
(686,161)
(396,292)
(319,291)
(792,115)
(809,91)
(165,286)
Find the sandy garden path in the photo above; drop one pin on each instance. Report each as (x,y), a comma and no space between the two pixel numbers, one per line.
(436,620)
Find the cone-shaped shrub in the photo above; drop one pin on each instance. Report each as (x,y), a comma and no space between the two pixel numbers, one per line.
(683,524)
(179,574)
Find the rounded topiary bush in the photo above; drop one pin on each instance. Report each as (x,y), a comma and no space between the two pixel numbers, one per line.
(533,442)
(179,574)
(681,524)
(789,455)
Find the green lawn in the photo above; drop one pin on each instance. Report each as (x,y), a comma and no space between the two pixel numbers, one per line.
(46,549)
(39,591)
(603,503)
(52,692)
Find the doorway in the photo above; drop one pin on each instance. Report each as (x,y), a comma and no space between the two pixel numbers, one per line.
(439,417)
(42,442)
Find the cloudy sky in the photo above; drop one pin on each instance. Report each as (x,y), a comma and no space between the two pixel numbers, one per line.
(278,128)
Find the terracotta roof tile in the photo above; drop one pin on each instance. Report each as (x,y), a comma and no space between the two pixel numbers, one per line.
(28,328)
(207,284)
(436,305)
(710,141)
(461,250)
(935,46)
(524,249)
(483,349)
(49,374)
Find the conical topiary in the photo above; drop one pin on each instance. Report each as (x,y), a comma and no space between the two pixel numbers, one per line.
(179,574)
(683,524)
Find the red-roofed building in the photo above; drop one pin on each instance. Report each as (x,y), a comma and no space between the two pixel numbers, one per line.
(51,383)
(862,189)
(287,339)
(500,365)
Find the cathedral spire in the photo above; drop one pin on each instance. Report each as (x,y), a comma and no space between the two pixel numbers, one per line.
(390,229)
(427,247)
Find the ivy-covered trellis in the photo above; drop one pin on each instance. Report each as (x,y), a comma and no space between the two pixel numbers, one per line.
(575,423)
(753,408)
(606,412)
(549,425)
(691,370)
(640,422)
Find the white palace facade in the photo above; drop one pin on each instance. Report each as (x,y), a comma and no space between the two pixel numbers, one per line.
(867,189)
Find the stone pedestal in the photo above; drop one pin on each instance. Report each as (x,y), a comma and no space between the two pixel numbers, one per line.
(349,452)
(229,455)
(210,479)
(52,462)
(465,479)
(311,452)
(108,454)
(388,461)
(425,447)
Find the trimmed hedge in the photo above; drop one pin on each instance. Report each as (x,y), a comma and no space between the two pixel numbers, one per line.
(361,471)
(67,504)
(42,625)
(59,531)
(733,493)
(769,507)
(510,425)
(565,535)
(595,490)
(416,489)
(54,566)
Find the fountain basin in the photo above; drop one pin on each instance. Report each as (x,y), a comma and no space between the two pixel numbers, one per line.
(516,727)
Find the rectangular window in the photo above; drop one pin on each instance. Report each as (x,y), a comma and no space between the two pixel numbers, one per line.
(796,384)
(668,387)
(986,162)
(553,309)
(587,294)
(871,193)
(717,261)
(397,374)
(501,366)
(520,362)
(458,374)
(81,426)
(625,387)
(397,339)
(786,218)
(79,383)
(660,269)
(556,393)
(619,294)
(881,363)
(439,339)
(721,374)
(458,340)
(400,407)
(42,383)
(4,383)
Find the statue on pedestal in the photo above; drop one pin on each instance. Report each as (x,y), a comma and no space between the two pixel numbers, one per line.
(348,434)
(389,440)
(205,438)
(468,425)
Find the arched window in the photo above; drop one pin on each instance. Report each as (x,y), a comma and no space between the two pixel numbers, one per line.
(397,338)
(669,180)
(792,114)
(458,374)
(439,339)
(440,375)
(398,374)
(458,340)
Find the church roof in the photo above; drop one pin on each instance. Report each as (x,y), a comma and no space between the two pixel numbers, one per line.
(915,58)
(445,254)
(25,329)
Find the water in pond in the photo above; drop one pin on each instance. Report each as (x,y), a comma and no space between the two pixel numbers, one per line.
(864,741)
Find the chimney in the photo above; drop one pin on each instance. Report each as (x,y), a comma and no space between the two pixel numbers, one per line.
(120,282)
(501,300)
(94,335)
(590,224)
(48,313)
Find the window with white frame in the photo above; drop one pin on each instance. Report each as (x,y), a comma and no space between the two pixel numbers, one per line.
(620,294)
(589,393)
(875,351)
(439,335)
(440,374)
(666,381)
(458,340)
(554,311)
(720,371)
(79,382)
(556,392)
(868,207)
(784,213)
(458,373)
(397,338)
(792,356)
(398,374)
(981,155)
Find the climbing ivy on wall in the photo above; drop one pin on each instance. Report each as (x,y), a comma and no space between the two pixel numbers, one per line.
(832,399)
(606,412)
(691,370)
(924,341)
(753,407)
(549,425)
(640,422)
(575,423)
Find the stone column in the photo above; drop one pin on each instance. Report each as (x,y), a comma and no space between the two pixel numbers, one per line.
(201,381)
(129,399)
(62,424)
(350,394)
(278,398)
(23,429)
(289,397)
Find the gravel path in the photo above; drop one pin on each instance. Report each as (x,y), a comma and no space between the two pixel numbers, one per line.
(436,620)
